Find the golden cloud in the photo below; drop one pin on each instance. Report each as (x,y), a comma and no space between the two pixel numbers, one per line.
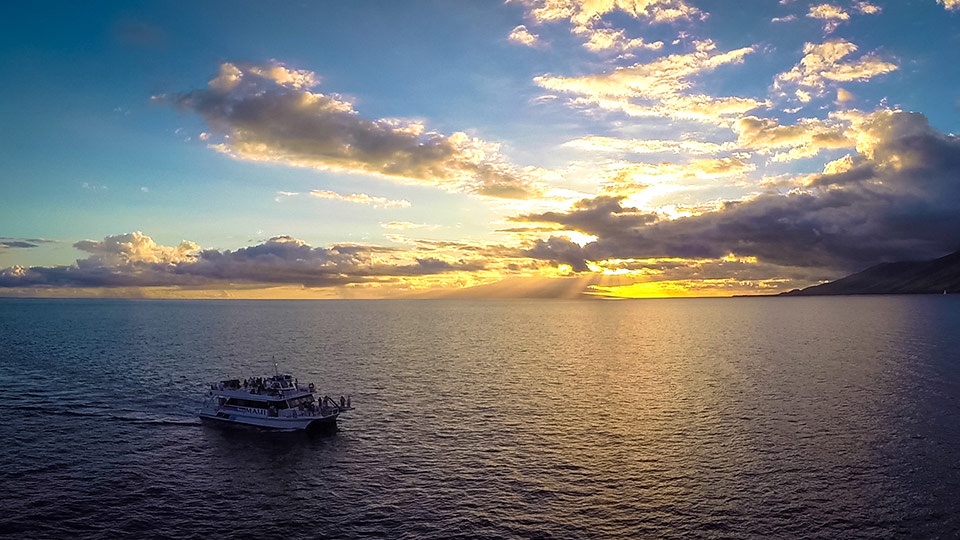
(582,12)
(360,198)
(824,61)
(521,35)
(657,88)
(804,139)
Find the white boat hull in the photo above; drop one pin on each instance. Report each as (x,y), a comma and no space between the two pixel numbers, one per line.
(271,422)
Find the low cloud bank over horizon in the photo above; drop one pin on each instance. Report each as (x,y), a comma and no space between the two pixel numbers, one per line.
(135,260)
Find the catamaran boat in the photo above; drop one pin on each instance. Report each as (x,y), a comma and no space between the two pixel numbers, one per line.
(276,403)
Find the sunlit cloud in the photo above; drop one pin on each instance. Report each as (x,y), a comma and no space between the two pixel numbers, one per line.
(609,39)
(646,174)
(952,5)
(132,249)
(360,198)
(271,114)
(807,138)
(521,35)
(660,88)
(582,12)
(867,8)
(831,16)
(825,62)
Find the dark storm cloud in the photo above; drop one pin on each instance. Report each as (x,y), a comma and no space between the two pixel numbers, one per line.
(601,216)
(901,201)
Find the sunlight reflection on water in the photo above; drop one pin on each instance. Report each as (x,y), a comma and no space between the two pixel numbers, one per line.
(797,417)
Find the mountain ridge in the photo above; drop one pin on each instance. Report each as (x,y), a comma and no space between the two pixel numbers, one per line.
(934,276)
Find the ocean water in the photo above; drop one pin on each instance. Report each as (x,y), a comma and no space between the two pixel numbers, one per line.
(707,418)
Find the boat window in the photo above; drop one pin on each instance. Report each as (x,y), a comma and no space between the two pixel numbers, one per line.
(302,400)
(238,402)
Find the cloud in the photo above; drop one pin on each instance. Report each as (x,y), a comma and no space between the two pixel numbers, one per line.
(521,35)
(595,143)
(7,242)
(16,244)
(866,8)
(407,225)
(271,113)
(582,12)
(896,200)
(659,88)
(630,177)
(804,139)
(952,5)
(134,248)
(135,260)
(824,62)
(360,198)
(830,14)
(609,39)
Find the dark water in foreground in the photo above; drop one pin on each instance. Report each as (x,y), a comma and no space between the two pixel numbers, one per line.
(778,417)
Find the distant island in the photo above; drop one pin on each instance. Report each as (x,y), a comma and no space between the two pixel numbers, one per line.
(907,277)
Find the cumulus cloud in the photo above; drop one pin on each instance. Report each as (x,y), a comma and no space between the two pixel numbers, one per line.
(826,62)
(896,200)
(135,260)
(360,198)
(272,113)
(521,35)
(660,88)
(132,249)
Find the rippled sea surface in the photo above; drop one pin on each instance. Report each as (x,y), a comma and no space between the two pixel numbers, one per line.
(713,418)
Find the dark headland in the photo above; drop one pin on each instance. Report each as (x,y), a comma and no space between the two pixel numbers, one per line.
(906,277)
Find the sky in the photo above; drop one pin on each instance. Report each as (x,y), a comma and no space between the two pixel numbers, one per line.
(532,148)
